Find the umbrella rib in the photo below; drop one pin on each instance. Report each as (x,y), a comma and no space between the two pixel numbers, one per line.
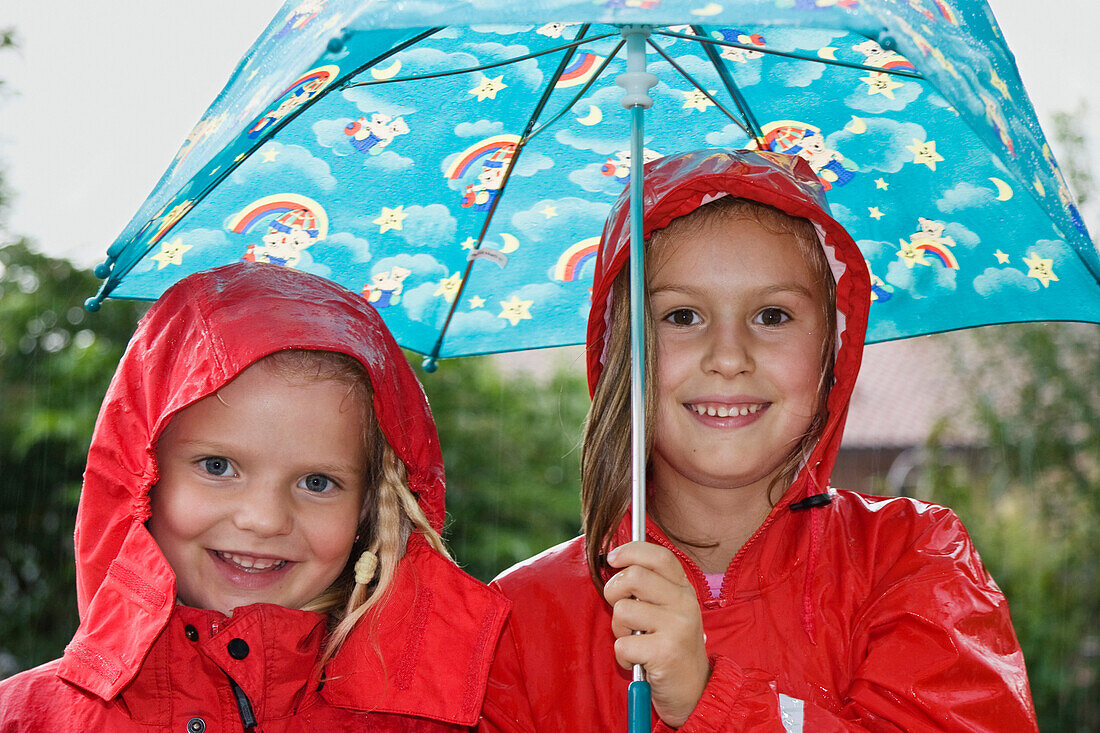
(697,85)
(734,90)
(547,92)
(493,65)
(584,90)
(790,55)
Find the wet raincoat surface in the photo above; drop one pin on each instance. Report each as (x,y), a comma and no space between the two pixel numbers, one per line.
(859,613)
(140,662)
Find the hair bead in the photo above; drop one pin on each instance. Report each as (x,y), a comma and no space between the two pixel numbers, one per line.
(365,567)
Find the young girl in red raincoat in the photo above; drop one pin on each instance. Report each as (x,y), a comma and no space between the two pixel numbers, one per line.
(770,601)
(257,542)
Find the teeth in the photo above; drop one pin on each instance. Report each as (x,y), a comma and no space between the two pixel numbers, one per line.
(251,564)
(723,411)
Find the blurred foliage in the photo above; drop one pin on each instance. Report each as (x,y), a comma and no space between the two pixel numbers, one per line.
(1032,502)
(55,363)
(511,446)
(1073,147)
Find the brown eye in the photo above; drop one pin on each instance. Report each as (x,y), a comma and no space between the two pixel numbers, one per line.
(682,317)
(772,317)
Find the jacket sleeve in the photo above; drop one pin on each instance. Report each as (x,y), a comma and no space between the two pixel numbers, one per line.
(932,650)
(506,708)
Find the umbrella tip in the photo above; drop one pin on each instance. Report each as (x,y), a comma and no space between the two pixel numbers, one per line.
(335,44)
(103,269)
(429,364)
(93,303)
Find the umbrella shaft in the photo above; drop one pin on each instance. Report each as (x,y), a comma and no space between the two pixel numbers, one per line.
(637,329)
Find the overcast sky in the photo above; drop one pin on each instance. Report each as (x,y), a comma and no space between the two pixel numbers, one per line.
(98,100)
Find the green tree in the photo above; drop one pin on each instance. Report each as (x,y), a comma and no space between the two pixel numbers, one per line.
(511,446)
(55,363)
(1032,503)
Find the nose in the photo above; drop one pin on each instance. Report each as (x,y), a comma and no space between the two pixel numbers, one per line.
(727,350)
(265,510)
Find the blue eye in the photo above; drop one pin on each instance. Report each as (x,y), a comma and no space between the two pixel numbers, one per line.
(216,466)
(317,483)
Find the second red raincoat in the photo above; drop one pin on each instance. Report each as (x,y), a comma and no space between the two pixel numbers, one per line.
(140,662)
(856,613)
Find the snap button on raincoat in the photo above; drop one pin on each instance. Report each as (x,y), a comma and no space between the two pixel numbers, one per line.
(860,613)
(140,662)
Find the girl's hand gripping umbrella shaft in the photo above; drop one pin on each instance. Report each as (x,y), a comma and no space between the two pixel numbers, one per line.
(652,594)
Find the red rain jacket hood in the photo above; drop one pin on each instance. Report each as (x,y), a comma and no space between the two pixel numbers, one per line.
(676,186)
(436,627)
(844,613)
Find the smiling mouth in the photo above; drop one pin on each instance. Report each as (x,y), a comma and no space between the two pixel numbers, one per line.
(250,564)
(725,410)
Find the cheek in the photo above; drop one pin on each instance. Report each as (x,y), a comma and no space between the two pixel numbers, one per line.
(177,514)
(332,534)
(801,374)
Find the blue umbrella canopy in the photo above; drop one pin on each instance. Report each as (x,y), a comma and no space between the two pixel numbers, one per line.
(453,162)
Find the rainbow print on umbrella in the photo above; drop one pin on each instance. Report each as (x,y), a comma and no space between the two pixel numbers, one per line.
(300,91)
(580,70)
(478,153)
(573,260)
(274,207)
(493,155)
(294,223)
(945,256)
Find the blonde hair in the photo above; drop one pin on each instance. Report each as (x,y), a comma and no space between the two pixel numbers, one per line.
(606,451)
(390,511)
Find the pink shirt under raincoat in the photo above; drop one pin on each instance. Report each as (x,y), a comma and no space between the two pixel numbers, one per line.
(140,662)
(864,613)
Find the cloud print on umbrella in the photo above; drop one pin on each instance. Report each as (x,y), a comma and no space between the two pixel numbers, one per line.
(883,143)
(965,196)
(877,93)
(356,250)
(364,99)
(730,136)
(995,280)
(526,73)
(427,226)
(276,165)
(480,128)
(555,220)
(424,60)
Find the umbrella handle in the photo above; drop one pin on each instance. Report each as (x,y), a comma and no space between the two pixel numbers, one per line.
(638,703)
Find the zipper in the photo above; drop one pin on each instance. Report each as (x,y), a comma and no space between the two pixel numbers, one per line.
(244,707)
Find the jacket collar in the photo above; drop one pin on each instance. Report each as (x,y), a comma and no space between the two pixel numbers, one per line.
(427,651)
(266,649)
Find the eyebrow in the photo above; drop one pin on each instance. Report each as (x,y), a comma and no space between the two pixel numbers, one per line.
(776,289)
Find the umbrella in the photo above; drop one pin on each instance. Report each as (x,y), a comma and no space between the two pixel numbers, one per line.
(371,142)
(453,162)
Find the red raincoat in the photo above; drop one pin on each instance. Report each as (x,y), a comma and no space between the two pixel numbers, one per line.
(864,613)
(140,662)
